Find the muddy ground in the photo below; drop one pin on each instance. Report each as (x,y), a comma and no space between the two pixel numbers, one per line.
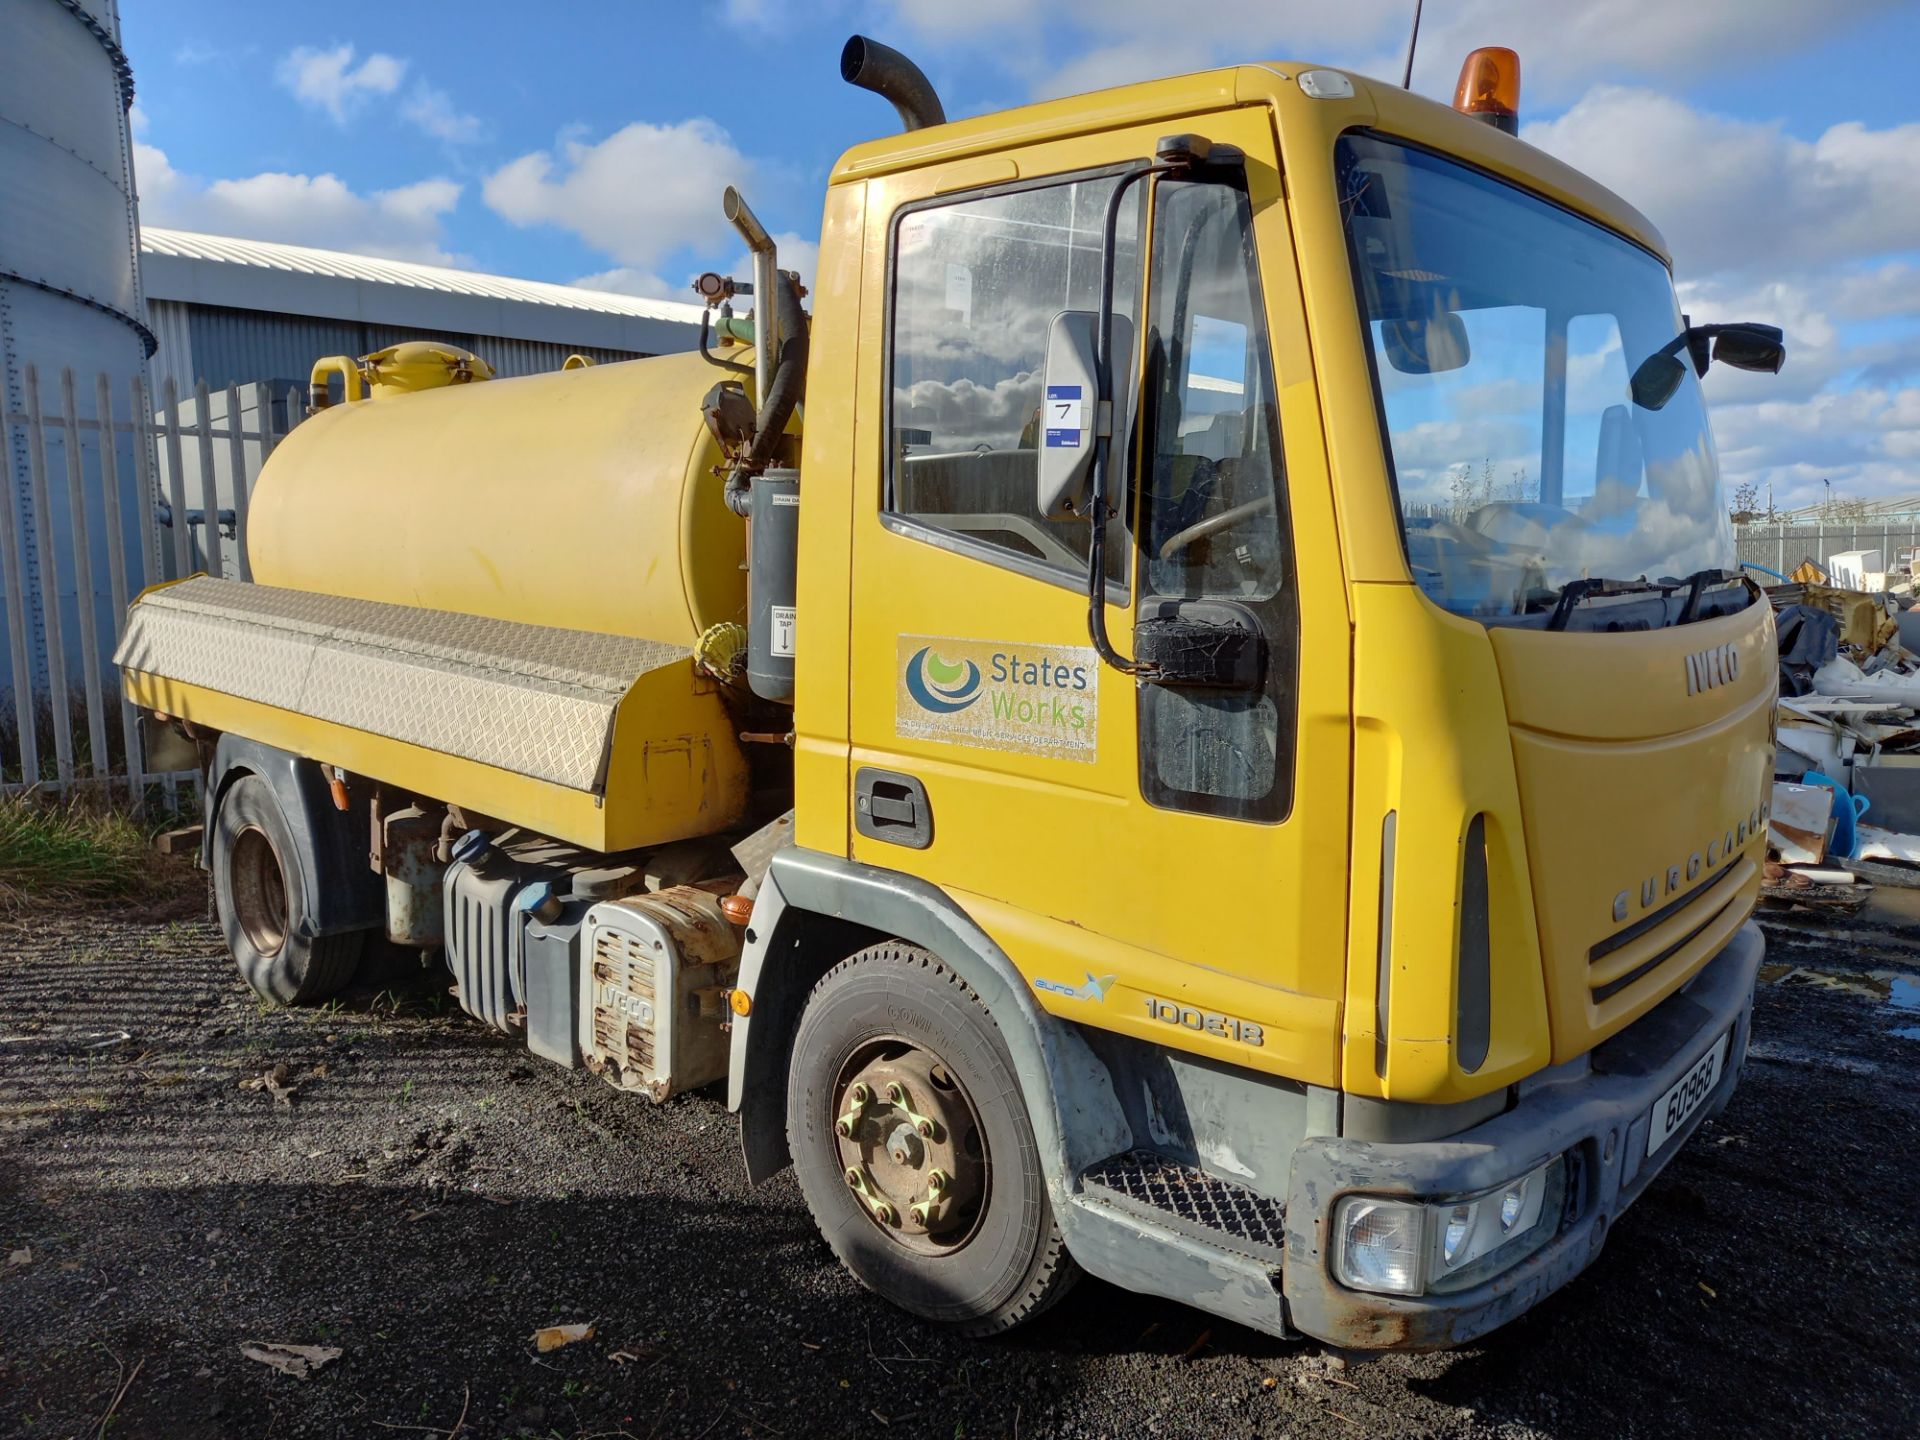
(427,1197)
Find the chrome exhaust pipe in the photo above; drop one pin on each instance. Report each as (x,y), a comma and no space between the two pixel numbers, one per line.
(765,276)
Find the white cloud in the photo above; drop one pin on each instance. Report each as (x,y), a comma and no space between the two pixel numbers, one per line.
(405,223)
(640,196)
(626,280)
(433,111)
(1562,48)
(1747,195)
(329,81)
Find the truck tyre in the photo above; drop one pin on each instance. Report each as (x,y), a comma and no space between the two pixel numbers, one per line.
(913,1147)
(259,891)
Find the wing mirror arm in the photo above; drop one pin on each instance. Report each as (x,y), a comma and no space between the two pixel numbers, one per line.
(1745,345)
(1176,155)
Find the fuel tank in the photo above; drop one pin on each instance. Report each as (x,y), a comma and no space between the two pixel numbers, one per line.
(584,499)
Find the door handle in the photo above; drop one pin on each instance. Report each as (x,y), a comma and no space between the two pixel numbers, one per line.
(892,807)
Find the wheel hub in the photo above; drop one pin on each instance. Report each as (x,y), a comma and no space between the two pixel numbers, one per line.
(910,1144)
(259,891)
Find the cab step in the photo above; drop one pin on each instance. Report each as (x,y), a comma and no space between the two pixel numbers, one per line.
(1188,1200)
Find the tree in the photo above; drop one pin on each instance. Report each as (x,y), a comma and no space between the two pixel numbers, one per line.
(1746,501)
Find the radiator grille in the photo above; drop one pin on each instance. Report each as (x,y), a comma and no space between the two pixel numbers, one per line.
(623,1000)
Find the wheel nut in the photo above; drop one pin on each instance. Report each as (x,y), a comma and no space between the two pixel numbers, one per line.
(843,1127)
(925,1127)
(937,1181)
(860,1093)
(896,1094)
(853,1178)
(885,1214)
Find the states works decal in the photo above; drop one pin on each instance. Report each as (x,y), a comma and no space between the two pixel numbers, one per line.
(1033,699)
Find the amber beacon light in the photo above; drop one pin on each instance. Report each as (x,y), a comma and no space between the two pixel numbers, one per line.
(1490,88)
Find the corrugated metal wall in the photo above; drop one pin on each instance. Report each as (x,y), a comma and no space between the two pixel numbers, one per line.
(239,347)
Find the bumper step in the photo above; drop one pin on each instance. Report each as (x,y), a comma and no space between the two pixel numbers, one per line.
(1192,1202)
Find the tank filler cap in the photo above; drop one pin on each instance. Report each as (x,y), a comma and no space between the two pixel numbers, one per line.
(471,846)
(422,365)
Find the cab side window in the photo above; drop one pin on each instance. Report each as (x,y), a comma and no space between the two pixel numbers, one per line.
(975,286)
(1213,520)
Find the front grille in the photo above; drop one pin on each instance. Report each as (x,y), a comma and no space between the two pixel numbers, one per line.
(1193,1201)
(1705,901)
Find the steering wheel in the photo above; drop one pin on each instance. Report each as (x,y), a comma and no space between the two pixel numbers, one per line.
(1213,525)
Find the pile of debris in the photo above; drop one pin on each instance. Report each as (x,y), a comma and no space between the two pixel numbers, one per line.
(1849,731)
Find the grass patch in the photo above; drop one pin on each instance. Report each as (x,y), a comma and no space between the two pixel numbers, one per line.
(65,854)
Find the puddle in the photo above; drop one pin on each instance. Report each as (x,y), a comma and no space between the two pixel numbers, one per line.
(1888,987)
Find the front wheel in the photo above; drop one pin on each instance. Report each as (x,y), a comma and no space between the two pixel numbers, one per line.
(259,894)
(913,1148)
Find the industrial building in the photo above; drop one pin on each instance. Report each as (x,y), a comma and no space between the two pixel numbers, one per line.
(231,311)
(98,318)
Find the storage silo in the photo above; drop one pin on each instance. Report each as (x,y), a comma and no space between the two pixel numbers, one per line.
(70,298)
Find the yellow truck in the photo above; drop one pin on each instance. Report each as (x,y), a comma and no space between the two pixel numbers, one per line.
(1194,721)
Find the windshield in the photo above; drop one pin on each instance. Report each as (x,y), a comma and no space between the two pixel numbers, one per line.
(1504,331)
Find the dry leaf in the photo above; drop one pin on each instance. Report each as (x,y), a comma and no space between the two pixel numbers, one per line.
(1711,1292)
(554,1336)
(278,1082)
(22,1256)
(299,1361)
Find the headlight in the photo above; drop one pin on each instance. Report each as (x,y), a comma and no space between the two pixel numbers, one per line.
(1411,1247)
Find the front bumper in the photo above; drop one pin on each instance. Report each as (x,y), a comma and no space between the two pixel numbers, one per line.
(1598,1118)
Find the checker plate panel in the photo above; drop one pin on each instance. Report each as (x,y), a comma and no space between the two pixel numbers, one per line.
(530,699)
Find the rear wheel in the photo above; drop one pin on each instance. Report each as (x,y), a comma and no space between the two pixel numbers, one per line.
(913,1147)
(260,891)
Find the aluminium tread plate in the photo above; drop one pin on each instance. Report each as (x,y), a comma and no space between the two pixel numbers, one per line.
(1192,1202)
(529,699)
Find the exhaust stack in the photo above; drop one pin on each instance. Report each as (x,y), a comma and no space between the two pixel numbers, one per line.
(760,244)
(888,73)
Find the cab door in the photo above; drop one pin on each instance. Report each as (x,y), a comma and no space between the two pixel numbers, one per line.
(1164,861)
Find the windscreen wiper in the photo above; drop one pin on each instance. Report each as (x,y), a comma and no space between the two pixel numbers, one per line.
(1697,584)
(1588,588)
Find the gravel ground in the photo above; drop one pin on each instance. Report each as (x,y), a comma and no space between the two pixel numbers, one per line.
(428,1196)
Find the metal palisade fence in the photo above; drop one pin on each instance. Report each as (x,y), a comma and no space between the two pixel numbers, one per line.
(104,496)
(1783,545)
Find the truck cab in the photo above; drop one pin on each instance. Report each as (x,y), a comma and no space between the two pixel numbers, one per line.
(1278,742)
(1381,916)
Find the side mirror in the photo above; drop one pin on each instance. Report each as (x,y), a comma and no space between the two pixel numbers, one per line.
(1069,411)
(1656,379)
(1751,346)
(1427,345)
(1745,346)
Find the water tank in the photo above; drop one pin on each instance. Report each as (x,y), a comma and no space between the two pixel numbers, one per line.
(69,289)
(583,499)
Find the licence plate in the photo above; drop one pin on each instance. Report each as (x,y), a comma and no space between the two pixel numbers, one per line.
(1670,1112)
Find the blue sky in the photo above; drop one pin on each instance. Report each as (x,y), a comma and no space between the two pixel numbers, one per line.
(1776,143)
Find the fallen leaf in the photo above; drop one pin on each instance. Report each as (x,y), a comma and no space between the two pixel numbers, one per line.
(299,1361)
(1268,1382)
(553,1337)
(278,1082)
(1713,1293)
(23,1256)
(1199,1344)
